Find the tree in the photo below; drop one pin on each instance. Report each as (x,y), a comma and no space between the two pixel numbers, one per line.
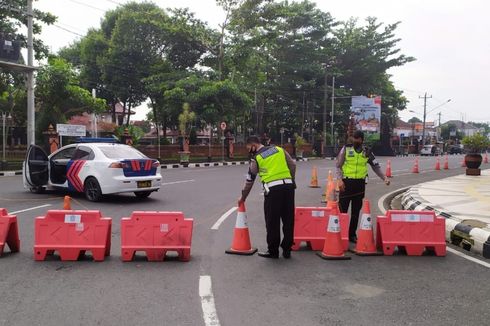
(58,96)
(414,120)
(13,22)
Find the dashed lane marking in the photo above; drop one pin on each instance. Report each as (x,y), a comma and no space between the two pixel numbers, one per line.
(207,301)
(176,182)
(223,218)
(30,209)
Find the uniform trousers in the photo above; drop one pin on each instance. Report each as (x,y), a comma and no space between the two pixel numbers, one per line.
(279,206)
(353,193)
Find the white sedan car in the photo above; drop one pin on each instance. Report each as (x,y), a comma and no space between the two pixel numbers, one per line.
(95,169)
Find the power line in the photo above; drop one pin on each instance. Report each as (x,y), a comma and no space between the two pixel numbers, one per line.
(87,5)
(67,30)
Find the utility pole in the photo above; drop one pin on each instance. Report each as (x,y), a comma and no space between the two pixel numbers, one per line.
(303,117)
(31,132)
(325,115)
(425,114)
(439,126)
(331,118)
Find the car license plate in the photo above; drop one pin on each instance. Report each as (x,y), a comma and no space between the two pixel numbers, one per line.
(144,184)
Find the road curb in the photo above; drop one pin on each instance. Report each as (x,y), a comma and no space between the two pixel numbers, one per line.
(211,164)
(471,238)
(10,173)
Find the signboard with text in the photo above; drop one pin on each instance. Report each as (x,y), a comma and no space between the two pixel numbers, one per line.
(71,130)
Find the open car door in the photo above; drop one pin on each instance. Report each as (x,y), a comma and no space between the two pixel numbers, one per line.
(36,167)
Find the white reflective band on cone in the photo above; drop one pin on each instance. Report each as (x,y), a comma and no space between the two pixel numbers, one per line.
(241,221)
(366,223)
(333,224)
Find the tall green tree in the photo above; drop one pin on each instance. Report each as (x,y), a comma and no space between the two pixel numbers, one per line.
(59,96)
(13,22)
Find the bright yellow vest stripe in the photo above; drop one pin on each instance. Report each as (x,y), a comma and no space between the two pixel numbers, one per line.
(272,165)
(355,165)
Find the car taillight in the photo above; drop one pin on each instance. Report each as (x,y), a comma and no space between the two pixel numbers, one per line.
(116,165)
(156,164)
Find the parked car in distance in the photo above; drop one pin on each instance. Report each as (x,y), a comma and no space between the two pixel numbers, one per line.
(430,150)
(455,149)
(93,168)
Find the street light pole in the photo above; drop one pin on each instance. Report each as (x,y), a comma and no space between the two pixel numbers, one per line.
(425,114)
(31,132)
(325,115)
(3,136)
(331,118)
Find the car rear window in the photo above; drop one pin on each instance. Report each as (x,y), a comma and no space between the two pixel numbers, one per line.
(121,152)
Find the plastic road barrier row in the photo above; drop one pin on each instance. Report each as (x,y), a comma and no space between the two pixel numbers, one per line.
(9,233)
(155,233)
(71,233)
(413,231)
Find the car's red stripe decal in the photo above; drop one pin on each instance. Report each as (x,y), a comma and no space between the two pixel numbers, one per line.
(137,163)
(133,165)
(73,175)
(69,173)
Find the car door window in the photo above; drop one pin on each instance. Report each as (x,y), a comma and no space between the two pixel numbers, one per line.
(65,154)
(83,153)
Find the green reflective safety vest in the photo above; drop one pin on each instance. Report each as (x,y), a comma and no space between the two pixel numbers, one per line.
(355,165)
(272,164)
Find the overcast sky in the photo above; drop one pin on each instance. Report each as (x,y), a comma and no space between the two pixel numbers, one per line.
(449,38)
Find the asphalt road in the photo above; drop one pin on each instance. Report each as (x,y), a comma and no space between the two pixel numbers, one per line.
(305,290)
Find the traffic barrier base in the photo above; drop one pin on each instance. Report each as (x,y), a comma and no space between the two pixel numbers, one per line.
(411,231)
(156,233)
(71,233)
(9,232)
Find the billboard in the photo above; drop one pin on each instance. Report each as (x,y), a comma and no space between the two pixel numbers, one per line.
(367,115)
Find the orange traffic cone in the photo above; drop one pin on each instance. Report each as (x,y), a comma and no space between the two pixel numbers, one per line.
(241,238)
(446,163)
(330,194)
(438,164)
(328,188)
(485,159)
(67,203)
(333,248)
(314,178)
(415,168)
(388,169)
(463,163)
(365,237)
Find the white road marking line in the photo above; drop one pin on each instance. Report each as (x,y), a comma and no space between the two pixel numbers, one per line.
(454,251)
(223,218)
(207,301)
(176,182)
(30,209)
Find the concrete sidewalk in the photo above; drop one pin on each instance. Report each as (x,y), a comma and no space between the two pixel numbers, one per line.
(464,201)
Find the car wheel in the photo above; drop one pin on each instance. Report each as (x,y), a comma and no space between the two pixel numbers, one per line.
(92,189)
(143,194)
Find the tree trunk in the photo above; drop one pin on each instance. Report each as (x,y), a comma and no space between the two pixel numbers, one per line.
(129,113)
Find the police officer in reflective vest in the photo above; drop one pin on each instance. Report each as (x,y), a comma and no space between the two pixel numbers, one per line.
(276,169)
(352,170)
